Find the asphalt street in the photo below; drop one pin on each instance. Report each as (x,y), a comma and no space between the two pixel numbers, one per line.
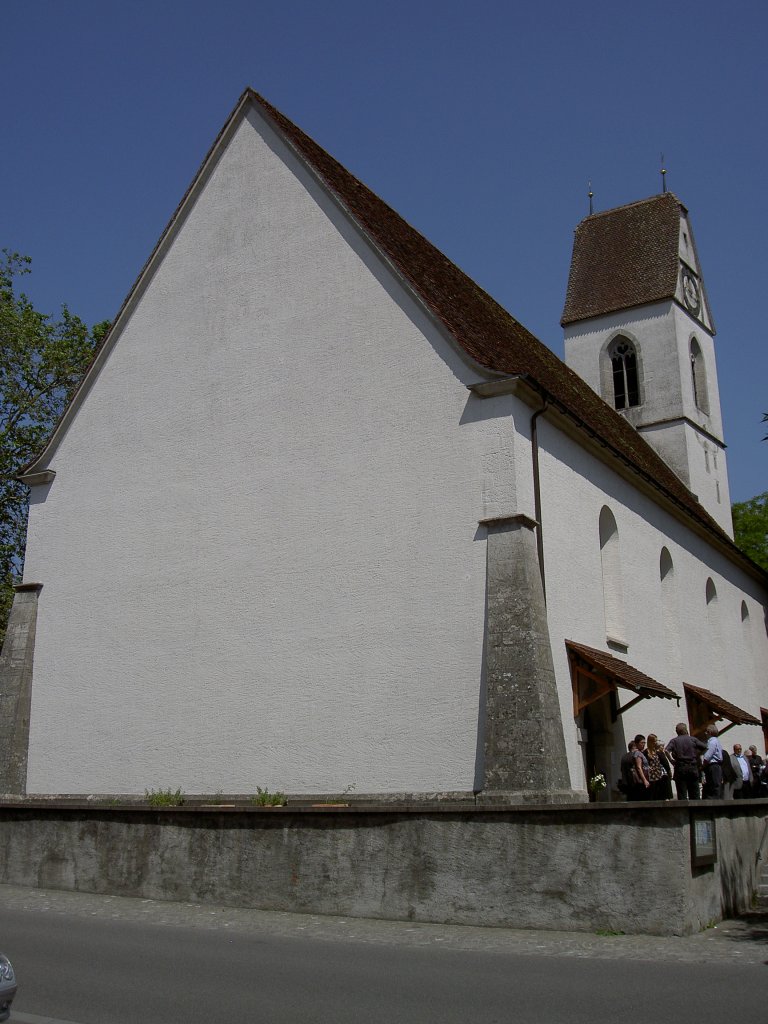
(90,959)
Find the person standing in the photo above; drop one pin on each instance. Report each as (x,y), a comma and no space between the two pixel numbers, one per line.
(641,783)
(713,766)
(625,767)
(756,764)
(684,752)
(659,769)
(730,776)
(742,786)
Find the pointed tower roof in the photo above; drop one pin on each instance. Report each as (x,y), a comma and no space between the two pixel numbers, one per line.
(625,257)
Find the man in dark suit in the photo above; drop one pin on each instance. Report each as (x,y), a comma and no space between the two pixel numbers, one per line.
(684,751)
(742,784)
(756,764)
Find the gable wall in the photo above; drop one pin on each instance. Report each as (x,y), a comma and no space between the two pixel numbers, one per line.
(259,555)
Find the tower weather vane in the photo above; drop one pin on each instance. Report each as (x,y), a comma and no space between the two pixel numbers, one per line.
(590,194)
(663,175)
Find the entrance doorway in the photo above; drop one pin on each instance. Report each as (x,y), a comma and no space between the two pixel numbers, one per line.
(597,678)
(602,743)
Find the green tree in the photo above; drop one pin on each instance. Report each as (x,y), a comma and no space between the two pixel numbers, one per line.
(42,360)
(750,528)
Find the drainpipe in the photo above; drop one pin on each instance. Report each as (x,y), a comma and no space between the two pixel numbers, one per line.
(537,492)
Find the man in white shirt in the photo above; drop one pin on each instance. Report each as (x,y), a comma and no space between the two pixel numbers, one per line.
(713,766)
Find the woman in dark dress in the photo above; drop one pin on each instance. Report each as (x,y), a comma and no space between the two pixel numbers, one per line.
(659,770)
(641,784)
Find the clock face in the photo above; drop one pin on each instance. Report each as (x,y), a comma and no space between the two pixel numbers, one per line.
(691,292)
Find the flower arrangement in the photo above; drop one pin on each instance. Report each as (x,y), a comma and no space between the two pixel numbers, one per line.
(596,783)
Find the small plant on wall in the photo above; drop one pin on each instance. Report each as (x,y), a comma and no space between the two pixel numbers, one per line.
(264,798)
(164,797)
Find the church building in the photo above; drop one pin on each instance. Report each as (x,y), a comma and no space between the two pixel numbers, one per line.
(324,516)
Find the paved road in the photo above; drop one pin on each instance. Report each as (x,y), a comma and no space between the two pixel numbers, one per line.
(110,960)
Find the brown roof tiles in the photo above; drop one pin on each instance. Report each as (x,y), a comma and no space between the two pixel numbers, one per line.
(619,672)
(722,708)
(624,257)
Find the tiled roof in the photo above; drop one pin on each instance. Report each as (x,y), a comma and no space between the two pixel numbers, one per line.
(620,672)
(624,257)
(721,707)
(486,331)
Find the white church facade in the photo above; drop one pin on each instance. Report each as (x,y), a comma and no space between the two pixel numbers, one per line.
(323,515)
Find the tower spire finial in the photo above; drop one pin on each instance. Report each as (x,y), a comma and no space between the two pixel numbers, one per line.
(590,194)
(663,175)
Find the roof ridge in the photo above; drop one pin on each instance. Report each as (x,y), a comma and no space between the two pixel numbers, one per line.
(628,206)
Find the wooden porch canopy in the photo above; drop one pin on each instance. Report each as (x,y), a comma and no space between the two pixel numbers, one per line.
(705,707)
(595,673)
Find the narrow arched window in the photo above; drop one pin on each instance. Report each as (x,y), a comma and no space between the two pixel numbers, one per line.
(714,640)
(669,616)
(749,656)
(626,385)
(613,590)
(699,378)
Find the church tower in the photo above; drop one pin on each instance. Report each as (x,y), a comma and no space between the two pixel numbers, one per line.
(639,330)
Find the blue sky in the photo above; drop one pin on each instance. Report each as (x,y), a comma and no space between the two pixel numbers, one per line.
(481,123)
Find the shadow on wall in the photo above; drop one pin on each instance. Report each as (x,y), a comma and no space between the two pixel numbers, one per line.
(479,779)
(732,869)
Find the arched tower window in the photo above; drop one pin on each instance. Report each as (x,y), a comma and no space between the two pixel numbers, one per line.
(613,590)
(699,378)
(711,592)
(626,385)
(744,612)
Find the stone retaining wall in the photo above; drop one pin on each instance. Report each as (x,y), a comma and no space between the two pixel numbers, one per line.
(587,868)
